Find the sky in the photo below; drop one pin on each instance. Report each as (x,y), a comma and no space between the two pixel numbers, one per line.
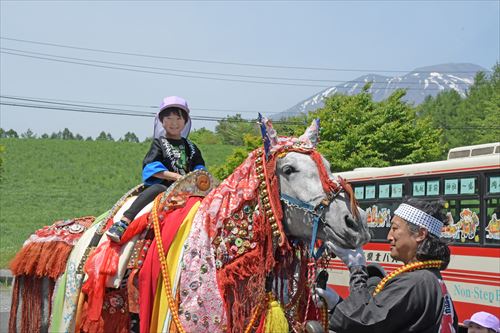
(125,56)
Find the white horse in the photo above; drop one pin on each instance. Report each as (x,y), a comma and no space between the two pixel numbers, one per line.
(245,245)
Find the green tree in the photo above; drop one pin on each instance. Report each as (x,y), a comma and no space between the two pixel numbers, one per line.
(358,132)
(28,134)
(103,136)
(204,136)
(130,137)
(67,135)
(470,120)
(291,126)
(56,136)
(239,154)
(443,112)
(233,128)
(11,134)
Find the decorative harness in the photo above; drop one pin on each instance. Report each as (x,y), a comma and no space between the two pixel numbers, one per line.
(332,189)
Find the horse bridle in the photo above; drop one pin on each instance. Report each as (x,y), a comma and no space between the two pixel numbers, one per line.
(316,212)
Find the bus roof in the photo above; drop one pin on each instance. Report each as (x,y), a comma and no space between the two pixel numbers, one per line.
(476,150)
(486,162)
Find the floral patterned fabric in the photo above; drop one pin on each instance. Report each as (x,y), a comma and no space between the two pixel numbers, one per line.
(201,305)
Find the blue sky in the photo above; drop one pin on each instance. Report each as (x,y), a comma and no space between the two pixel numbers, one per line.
(362,35)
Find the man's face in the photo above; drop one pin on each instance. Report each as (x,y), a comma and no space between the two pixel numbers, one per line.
(173,125)
(403,242)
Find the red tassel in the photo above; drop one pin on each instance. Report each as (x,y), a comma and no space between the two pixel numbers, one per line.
(14,307)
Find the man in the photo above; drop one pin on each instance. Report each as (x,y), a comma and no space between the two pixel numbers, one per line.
(413,298)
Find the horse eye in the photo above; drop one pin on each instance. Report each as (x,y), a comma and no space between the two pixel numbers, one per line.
(288,169)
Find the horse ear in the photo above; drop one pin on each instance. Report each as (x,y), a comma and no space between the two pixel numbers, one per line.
(269,135)
(311,134)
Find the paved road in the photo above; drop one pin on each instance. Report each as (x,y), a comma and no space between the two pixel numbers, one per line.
(5,298)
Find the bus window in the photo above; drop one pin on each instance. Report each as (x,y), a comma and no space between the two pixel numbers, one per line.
(383,191)
(426,188)
(463,221)
(418,189)
(396,190)
(432,187)
(494,184)
(370,192)
(451,186)
(492,230)
(468,186)
(359,192)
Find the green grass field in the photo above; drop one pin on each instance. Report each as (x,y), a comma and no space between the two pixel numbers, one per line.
(46,180)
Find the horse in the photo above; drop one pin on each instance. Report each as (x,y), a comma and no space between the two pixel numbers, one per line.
(239,256)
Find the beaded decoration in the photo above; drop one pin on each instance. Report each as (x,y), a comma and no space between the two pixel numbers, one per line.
(236,237)
(407,268)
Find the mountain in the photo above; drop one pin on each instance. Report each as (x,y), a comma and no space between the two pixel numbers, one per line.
(419,83)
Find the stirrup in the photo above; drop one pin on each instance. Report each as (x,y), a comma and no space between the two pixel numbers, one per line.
(116,231)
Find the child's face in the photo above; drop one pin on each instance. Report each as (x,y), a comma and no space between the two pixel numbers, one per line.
(173,125)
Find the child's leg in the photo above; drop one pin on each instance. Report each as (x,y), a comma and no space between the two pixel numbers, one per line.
(116,231)
(143,199)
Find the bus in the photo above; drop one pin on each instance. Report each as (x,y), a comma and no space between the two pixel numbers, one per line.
(469,183)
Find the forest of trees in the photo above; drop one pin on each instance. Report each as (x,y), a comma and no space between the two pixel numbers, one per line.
(357,131)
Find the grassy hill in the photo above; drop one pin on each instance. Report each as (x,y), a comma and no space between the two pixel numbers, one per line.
(46,180)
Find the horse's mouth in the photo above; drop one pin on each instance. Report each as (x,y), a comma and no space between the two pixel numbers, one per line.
(347,240)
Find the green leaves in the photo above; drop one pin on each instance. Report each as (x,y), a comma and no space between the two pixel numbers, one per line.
(470,120)
(358,132)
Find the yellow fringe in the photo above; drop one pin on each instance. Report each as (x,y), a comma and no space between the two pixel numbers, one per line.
(276,321)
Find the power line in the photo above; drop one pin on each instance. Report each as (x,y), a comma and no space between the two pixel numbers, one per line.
(201,118)
(204,73)
(172,69)
(214,61)
(136,114)
(167,74)
(82,103)
(95,63)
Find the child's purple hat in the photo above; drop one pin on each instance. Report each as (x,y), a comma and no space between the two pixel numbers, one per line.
(484,319)
(172,102)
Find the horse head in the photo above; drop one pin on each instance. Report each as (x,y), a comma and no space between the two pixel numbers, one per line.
(316,204)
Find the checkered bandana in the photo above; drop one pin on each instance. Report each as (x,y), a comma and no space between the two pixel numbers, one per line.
(420,218)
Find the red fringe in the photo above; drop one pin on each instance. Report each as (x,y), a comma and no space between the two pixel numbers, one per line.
(41,259)
(14,307)
(133,291)
(32,305)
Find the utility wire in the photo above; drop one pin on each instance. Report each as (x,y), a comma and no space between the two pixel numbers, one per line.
(206,73)
(167,74)
(137,114)
(96,63)
(214,61)
(203,118)
(86,104)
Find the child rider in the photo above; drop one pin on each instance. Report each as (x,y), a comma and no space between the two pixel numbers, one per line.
(170,157)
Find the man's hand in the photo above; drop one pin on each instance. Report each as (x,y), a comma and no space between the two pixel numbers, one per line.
(330,296)
(350,257)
